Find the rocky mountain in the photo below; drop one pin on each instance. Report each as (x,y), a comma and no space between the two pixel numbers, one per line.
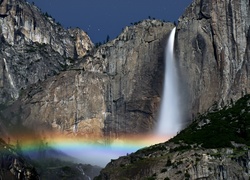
(115,89)
(214,146)
(55,79)
(33,47)
(65,84)
(213,49)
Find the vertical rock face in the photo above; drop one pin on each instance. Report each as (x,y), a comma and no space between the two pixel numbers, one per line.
(33,47)
(124,76)
(213,49)
(21,66)
(114,90)
(73,101)
(134,64)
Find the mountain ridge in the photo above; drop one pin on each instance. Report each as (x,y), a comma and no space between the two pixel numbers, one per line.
(34,47)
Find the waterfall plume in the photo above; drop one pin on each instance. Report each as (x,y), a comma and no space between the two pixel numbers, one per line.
(169,121)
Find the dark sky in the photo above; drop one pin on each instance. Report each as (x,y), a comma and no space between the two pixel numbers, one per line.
(100,18)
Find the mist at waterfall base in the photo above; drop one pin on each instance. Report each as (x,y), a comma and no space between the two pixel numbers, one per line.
(85,150)
(169,121)
(96,152)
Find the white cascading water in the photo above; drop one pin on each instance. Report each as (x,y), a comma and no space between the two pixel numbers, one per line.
(169,122)
(14,93)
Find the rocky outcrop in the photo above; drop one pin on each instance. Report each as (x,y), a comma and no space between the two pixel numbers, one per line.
(13,165)
(21,66)
(21,22)
(213,52)
(114,90)
(33,47)
(166,162)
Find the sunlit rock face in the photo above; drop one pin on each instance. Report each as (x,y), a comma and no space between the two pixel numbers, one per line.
(213,50)
(33,47)
(114,90)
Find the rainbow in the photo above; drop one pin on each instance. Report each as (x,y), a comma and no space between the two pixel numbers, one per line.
(95,151)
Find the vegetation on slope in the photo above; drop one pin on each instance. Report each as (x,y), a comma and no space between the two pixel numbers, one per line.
(219,129)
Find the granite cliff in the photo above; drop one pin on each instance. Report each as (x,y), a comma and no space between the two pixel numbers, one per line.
(113,90)
(33,47)
(66,84)
(55,79)
(213,54)
(213,50)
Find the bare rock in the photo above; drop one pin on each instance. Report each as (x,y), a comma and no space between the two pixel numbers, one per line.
(113,91)
(22,22)
(213,52)
(34,47)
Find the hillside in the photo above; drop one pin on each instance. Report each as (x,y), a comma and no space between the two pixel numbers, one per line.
(215,146)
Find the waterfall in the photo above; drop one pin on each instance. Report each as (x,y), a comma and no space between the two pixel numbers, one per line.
(14,93)
(169,122)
